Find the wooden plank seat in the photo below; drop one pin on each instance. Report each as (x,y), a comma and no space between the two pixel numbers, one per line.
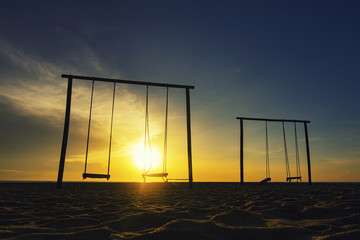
(291,178)
(265,180)
(155,175)
(94,175)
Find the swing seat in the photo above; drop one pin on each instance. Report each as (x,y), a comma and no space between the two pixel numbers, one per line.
(155,175)
(265,180)
(94,175)
(291,178)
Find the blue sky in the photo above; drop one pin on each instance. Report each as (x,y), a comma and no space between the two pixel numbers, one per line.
(274,59)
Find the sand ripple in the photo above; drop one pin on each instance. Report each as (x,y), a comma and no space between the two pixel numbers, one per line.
(239,218)
(172,211)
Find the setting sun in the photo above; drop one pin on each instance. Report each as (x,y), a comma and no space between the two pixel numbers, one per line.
(150,158)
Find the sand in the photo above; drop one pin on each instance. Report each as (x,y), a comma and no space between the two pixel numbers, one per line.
(172,211)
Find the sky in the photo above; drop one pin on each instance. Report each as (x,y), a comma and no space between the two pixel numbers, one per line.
(265,59)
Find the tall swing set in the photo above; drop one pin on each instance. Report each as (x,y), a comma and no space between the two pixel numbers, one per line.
(147,145)
(289,177)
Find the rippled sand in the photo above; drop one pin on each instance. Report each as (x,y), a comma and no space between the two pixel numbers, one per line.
(172,211)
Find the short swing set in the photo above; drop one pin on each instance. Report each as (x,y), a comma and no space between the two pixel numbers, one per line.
(289,177)
(146,172)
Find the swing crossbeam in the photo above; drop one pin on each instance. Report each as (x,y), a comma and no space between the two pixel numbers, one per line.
(95,175)
(272,120)
(132,82)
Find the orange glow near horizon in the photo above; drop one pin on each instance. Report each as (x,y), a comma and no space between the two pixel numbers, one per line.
(215,150)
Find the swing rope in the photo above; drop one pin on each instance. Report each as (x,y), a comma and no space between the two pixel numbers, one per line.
(88,135)
(298,171)
(111,127)
(267,152)
(147,133)
(286,154)
(166,127)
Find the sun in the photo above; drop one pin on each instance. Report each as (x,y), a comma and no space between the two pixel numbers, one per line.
(151,158)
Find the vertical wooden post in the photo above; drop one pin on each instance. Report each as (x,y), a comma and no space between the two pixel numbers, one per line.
(307,152)
(65,134)
(241,151)
(189,137)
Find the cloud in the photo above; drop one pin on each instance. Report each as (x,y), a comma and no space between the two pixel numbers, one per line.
(344,175)
(10,171)
(40,92)
(355,153)
(44,70)
(42,101)
(8,174)
(343,162)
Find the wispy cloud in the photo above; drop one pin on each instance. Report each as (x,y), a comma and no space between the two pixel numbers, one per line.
(36,100)
(336,161)
(40,93)
(26,175)
(10,171)
(45,71)
(343,174)
(355,153)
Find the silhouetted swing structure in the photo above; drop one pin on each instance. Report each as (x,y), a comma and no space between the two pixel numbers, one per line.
(289,178)
(146,173)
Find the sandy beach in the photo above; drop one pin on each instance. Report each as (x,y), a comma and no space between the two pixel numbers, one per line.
(172,211)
